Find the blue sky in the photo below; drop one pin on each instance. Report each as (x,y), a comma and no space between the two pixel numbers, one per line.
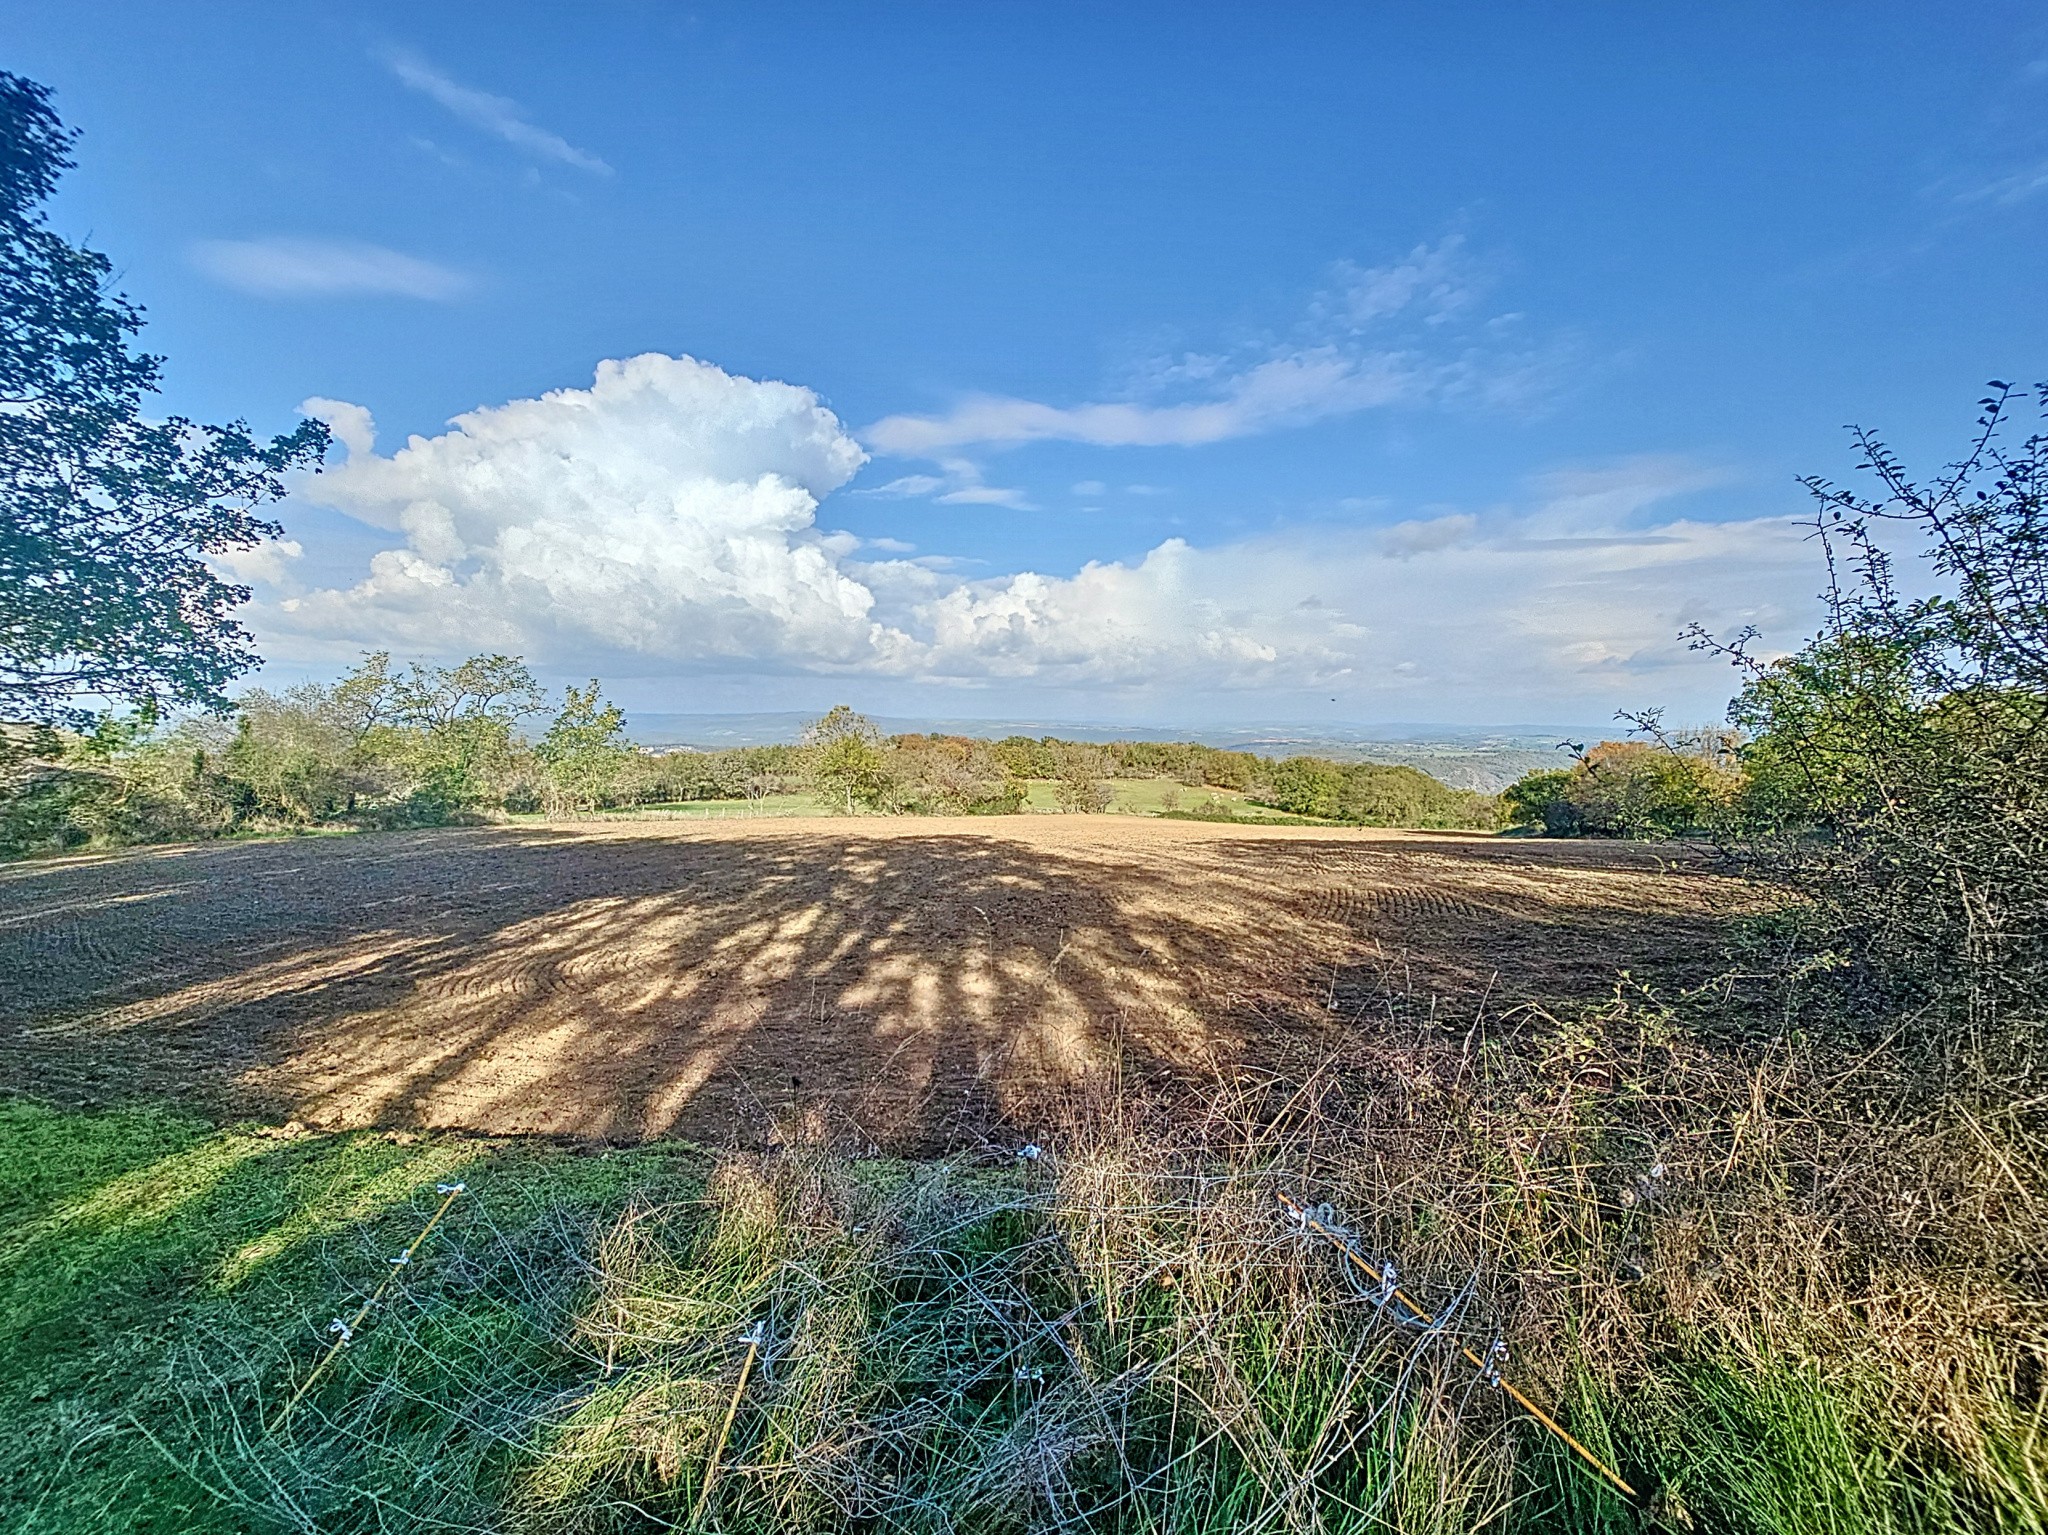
(1159,363)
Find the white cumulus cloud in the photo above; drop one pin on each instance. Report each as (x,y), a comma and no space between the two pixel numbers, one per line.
(287,266)
(666,517)
(667,510)
(1550,606)
(353,426)
(264,562)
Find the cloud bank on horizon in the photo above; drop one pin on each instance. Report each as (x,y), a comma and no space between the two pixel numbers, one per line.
(667,518)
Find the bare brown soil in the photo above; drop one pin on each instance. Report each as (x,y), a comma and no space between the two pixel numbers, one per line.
(924,976)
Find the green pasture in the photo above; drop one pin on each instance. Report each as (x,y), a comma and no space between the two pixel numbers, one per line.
(768,805)
(161,1280)
(1128,796)
(1151,796)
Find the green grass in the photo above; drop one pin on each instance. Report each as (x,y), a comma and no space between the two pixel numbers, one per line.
(272,833)
(1128,796)
(1151,796)
(770,805)
(160,1278)
(1102,1345)
(724,809)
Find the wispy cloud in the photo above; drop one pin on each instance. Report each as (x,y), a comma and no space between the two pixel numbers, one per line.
(1609,494)
(1436,281)
(497,115)
(1286,390)
(2014,187)
(1377,336)
(987,495)
(960,485)
(906,485)
(2009,179)
(286,266)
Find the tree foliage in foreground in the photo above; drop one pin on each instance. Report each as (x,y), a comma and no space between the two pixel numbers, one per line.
(1898,762)
(107,517)
(1893,771)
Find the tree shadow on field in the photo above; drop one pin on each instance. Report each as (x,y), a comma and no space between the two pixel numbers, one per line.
(618,986)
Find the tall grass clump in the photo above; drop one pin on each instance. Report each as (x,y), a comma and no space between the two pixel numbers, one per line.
(1102,1339)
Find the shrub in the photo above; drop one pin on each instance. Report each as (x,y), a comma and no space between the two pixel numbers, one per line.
(1898,766)
(950,775)
(1629,789)
(1377,794)
(122,783)
(298,757)
(1374,794)
(1640,789)
(1542,799)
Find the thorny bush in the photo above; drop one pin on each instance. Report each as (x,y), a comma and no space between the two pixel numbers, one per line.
(1898,763)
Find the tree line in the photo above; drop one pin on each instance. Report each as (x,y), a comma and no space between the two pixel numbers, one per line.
(383,746)
(1688,784)
(387,745)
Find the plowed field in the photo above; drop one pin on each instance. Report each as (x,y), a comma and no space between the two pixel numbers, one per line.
(922,976)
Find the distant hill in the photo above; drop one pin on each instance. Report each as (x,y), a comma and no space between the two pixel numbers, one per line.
(1482,757)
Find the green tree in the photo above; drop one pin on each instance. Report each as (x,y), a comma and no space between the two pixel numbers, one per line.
(846,759)
(951,775)
(1024,757)
(1671,788)
(1306,786)
(448,730)
(1391,794)
(483,687)
(1079,773)
(104,586)
(1641,789)
(295,757)
(1226,770)
(584,751)
(1542,799)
